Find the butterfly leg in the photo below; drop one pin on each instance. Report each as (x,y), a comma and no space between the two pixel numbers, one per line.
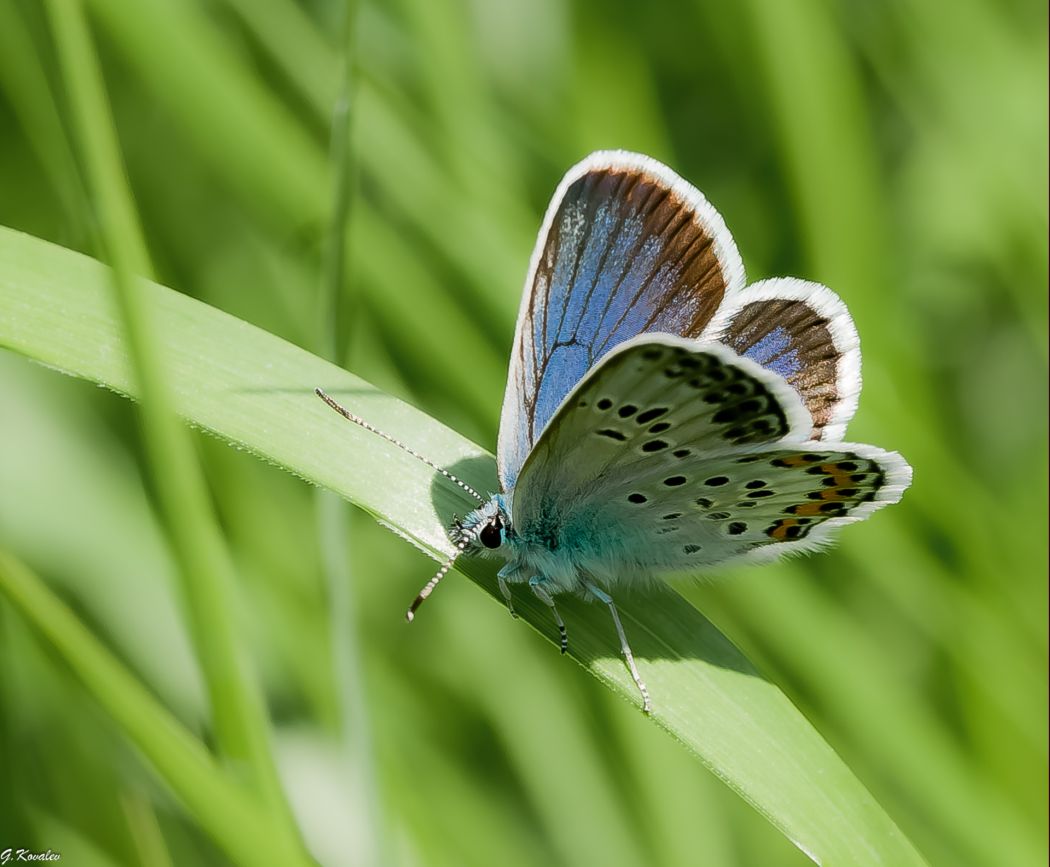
(625,648)
(510,573)
(504,588)
(536,584)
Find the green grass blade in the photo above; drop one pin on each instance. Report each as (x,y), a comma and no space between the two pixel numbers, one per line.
(24,82)
(255,391)
(239,716)
(234,820)
(337,307)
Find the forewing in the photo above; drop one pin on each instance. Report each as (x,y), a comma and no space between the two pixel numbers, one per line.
(627,247)
(803,332)
(672,456)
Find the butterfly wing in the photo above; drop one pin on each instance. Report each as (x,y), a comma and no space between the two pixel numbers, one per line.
(743,504)
(803,332)
(627,247)
(673,455)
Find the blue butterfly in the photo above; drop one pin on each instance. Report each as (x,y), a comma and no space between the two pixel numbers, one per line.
(660,416)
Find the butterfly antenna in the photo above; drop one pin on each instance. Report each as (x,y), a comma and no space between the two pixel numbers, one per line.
(356,419)
(428,588)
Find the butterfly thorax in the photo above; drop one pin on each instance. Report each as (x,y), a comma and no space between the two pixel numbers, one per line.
(563,550)
(535,550)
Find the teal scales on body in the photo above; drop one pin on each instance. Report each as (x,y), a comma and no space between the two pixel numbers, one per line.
(660,417)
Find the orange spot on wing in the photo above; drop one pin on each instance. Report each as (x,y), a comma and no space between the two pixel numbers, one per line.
(841,477)
(807,509)
(780,531)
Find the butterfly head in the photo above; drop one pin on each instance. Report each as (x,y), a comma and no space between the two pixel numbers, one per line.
(484,530)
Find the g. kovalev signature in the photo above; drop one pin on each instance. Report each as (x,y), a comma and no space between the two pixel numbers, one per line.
(10,854)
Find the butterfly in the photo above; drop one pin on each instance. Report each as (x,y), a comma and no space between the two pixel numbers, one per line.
(661,417)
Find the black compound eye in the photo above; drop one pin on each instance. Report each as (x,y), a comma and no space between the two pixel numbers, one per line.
(490,535)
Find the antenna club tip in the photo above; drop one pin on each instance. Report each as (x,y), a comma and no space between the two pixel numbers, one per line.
(410,615)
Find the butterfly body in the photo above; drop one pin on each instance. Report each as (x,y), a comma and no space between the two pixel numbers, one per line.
(661,417)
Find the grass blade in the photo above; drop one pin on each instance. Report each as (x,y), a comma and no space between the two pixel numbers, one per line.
(227,812)
(255,391)
(239,715)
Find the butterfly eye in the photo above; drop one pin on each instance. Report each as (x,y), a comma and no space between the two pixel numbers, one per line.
(491,534)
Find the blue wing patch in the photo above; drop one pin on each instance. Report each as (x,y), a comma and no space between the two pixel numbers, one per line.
(627,248)
(776,351)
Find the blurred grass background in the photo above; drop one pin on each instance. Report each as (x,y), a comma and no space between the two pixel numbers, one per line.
(895,151)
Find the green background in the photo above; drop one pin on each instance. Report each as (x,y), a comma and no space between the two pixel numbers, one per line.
(895,151)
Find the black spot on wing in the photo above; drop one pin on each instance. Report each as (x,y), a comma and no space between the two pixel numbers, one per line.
(651,414)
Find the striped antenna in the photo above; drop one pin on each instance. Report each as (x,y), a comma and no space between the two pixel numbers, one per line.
(428,588)
(356,419)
